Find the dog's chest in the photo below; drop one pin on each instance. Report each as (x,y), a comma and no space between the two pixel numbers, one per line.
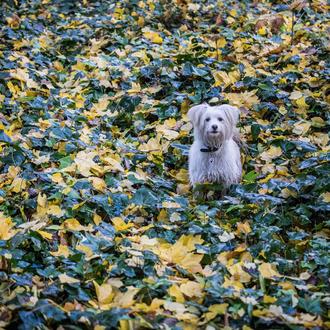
(220,166)
(213,166)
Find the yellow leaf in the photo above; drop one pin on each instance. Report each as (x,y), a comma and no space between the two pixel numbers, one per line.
(104,293)
(124,325)
(269,299)
(174,291)
(245,99)
(268,270)
(271,153)
(85,162)
(179,253)
(174,307)
(171,205)
(120,224)
(23,75)
(233,12)
(44,234)
(267,178)
(152,145)
(190,261)
(13,88)
(42,200)
(79,66)
(72,224)
(125,299)
(301,128)
(286,193)
(163,215)
(79,101)
(298,4)
(326,197)
(17,185)
(295,95)
(58,66)
(6,225)
(259,312)
(318,122)
(85,249)
(230,20)
(238,274)
(55,210)
(232,284)
(98,184)
(286,285)
(189,241)
(245,327)
(181,176)
(219,309)
(221,42)
(140,21)
(97,219)
(99,327)
(142,54)
(262,31)
(67,279)
(13,172)
(136,88)
(214,310)
(191,289)
(301,103)
(77,206)
(63,251)
(282,110)
(57,178)
(225,79)
(153,37)
(113,164)
(182,189)
(168,134)
(243,227)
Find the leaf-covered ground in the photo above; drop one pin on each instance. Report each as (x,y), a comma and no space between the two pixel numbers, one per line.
(98,226)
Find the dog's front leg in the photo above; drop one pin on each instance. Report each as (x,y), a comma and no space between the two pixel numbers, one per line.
(209,191)
(199,191)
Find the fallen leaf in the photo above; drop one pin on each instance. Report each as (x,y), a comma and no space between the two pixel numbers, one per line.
(153,36)
(120,224)
(64,278)
(191,289)
(268,270)
(104,293)
(62,251)
(6,227)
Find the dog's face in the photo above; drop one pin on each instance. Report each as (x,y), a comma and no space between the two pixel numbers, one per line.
(214,124)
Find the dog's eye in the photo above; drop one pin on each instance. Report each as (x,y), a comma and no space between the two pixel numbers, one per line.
(220,119)
(207,119)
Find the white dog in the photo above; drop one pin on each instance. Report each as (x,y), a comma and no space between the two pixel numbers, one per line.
(214,157)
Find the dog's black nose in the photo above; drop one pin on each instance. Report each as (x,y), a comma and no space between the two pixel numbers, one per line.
(214,127)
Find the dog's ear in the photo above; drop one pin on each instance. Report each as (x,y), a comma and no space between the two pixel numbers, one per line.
(194,113)
(232,114)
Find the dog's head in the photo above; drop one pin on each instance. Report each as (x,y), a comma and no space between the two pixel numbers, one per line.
(213,125)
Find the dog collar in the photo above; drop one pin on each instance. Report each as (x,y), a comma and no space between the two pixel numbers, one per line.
(209,149)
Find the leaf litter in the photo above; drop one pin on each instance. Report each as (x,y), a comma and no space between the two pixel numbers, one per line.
(98,226)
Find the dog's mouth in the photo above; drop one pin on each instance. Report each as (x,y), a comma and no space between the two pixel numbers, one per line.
(214,132)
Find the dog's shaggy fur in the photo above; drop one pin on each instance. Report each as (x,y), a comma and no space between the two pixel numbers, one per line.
(214,157)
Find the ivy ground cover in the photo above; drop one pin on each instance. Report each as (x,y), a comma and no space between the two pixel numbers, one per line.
(98,225)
